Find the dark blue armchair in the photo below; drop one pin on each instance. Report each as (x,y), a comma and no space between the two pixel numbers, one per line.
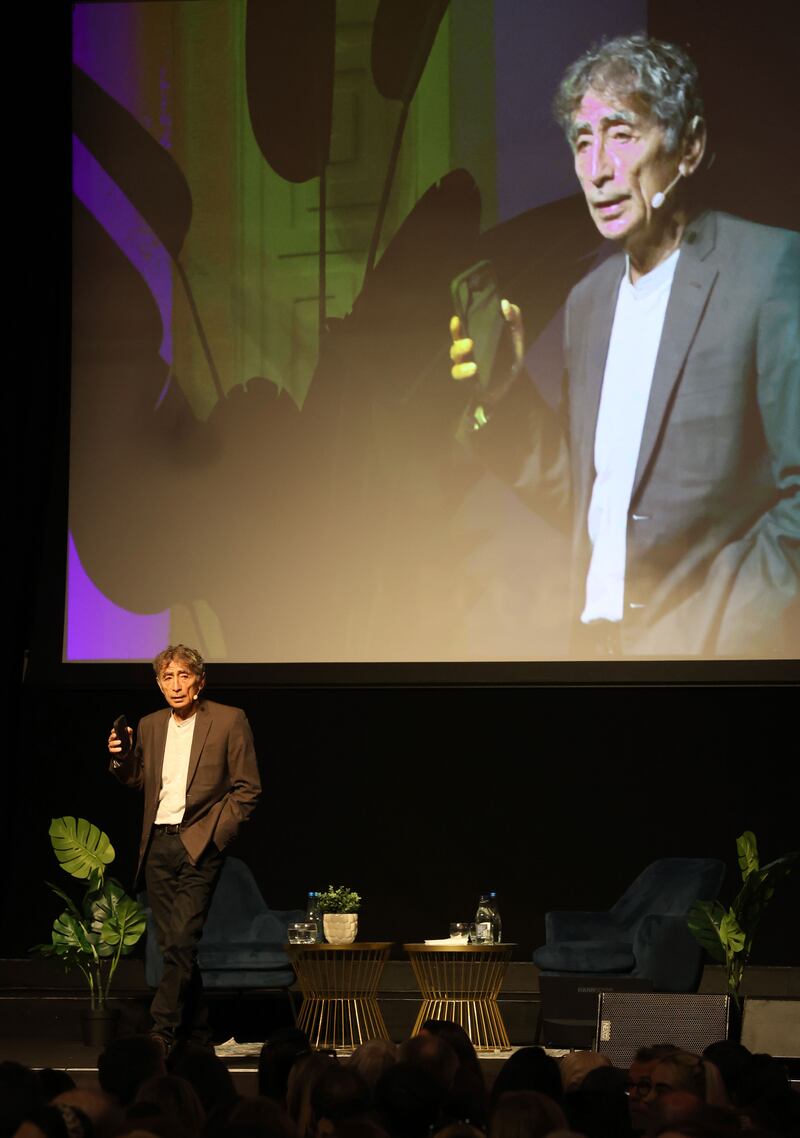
(642,941)
(243,939)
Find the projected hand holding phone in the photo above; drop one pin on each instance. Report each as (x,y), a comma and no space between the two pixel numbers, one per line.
(488,338)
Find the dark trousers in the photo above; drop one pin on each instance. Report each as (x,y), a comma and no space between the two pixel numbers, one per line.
(180,896)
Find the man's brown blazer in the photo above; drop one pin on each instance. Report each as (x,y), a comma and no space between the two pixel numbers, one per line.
(222,784)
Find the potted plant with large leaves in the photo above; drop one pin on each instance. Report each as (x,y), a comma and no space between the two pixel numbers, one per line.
(339,908)
(93,934)
(727,934)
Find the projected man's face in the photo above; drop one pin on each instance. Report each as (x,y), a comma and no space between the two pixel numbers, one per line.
(621,162)
(180,686)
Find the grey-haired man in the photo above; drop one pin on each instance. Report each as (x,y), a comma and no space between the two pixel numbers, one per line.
(196,764)
(677,455)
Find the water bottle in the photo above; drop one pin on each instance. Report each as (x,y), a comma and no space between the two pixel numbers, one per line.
(313,916)
(497,924)
(488,927)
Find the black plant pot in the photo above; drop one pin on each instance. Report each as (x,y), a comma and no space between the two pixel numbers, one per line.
(99,1026)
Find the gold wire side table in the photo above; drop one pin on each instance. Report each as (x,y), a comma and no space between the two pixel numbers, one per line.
(461,983)
(339,983)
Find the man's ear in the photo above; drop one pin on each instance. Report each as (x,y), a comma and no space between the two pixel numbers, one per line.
(694,146)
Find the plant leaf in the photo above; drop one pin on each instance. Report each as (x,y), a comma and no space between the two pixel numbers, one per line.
(70,933)
(43,949)
(116,917)
(402,38)
(143,169)
(289,60)
(63,954)
(781,867)
(80,847)
(126,924)
(103,904)
(731,934)
(758,891)
(705,919)
(71,906)
(95,881)
(747,851)
(341,900)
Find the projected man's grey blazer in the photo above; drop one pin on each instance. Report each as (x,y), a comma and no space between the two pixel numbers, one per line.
(713,540)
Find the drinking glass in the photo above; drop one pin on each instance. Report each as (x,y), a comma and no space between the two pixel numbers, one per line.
(302,932)
(479,933)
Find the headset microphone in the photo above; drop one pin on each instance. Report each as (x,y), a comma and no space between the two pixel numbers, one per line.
(660,197)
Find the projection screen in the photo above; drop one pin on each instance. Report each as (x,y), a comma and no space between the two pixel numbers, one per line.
(269,458)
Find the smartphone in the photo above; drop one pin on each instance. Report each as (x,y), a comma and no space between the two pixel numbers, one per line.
(121,731)
(476,302)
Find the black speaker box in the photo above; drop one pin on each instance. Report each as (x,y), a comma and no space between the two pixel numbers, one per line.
(568,1006)
(627,1021)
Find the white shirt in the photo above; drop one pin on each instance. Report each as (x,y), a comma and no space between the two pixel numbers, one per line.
(172,796)
(628,377)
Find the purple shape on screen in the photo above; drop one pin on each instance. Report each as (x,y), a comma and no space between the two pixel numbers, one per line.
(97,629)
(104,45)
(106,42)
(128,229)
(105,39)
(535,41)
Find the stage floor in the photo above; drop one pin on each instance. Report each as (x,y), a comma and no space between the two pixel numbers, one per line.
(81,1062)
(39,1014)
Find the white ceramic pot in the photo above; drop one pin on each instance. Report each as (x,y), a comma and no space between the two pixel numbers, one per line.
(340,928)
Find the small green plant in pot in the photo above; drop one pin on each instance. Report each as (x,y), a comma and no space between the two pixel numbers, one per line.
(727,934)
(339,908)
(105,924)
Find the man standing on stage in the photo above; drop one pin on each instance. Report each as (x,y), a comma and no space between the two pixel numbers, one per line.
(196,764)
(676,459)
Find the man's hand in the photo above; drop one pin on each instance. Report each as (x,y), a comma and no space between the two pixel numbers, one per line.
(115,743)
(513,317)
(464,366)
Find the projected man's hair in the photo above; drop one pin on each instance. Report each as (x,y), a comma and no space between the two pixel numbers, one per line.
(659,76)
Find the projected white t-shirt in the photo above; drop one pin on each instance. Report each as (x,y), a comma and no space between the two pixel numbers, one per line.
(628,377)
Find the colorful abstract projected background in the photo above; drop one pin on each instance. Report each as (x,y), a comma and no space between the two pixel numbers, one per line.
(262,433)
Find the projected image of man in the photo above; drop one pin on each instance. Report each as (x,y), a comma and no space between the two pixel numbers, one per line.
(676,457)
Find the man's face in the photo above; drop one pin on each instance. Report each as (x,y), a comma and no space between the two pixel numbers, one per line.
(621,162)
(180,685)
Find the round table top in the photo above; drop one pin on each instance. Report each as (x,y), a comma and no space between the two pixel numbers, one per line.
(458,947)
(358,945)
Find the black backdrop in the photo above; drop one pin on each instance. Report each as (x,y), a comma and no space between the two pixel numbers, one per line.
(421,798)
